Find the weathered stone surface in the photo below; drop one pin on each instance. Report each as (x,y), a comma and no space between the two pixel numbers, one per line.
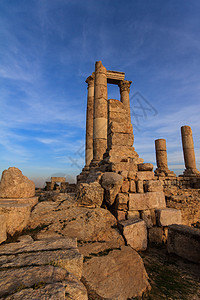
(35,246)
(122,201)
(157,235)
(15,185)
(154,186)
(120,215)
(132,187)
(123,139)
(149,217)
(135,233)
(140,186)
(72,289)
(146,201)
(168,216)
(133,214)
(58,179)
(3,234)
(118,275)
(125,186)
(80,222)
(184,241)
(112,183)
(31,201)
(115,127)
(12,280)
(145,167)
(90,194)
(17,215)
(145,175)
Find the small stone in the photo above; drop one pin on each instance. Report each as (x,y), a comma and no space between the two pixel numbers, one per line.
(15,185)
(125,186)
(168,216)
(135,233)
(140,186)
(132,186)
(145,167)
(112,183)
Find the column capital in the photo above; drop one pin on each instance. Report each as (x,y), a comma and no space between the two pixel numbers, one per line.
(90,80)
(124,85)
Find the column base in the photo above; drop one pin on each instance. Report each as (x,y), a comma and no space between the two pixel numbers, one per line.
(164,173)
(191,173)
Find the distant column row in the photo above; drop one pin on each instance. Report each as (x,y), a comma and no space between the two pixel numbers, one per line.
(188,152)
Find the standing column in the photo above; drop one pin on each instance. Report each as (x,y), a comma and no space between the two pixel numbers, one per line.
(89,121)
(124,86)
(100,112)
(188,151)
(161,159)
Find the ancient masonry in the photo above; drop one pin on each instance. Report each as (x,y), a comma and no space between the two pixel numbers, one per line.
(131,190)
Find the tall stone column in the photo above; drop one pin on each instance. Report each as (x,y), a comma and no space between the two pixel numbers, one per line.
(188,151)
(161,159)
(89,121)
(100,112)
(124,86)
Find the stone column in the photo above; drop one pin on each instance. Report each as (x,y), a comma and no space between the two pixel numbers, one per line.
(89,121)
(161,159)
(188,151)
(124,86)
(100,112)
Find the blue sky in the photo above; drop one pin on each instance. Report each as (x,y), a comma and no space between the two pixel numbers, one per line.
(49,47)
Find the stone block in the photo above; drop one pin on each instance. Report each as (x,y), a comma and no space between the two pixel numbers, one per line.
(133,214)
(124,174)
(168,216)
(146,201)
(140,186)
(145,167)
(121,201)
(135,233)
(120,215)
(125,186)
(90,194)
(123,139)
(145,175)
(184,241)
(16,214)
(58,179)
(149,217)
(155,235)
(132,187)
(115,127)
(3,234)
(154,186)
(15,185)
(132,175)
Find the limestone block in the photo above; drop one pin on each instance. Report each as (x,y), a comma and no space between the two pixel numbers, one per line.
(16,214)
(124,151)
(120,215)
(115,127)
(154,186)
(116,106)
(155,235)
(133,214)
(119,275)
(15,185)
(125,186)
(140,186)
(123,139)
(58,179)
(3,235)
(122,201)
(132,186)
(168,216)
(145,175)
(184,241)
(132,175)
(124,174)
(135,233)
(145,167)
(149,217)
(119,117)
(90,194)
(146,201)
(112,184)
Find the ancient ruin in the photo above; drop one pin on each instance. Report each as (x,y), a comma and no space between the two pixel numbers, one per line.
(80,241)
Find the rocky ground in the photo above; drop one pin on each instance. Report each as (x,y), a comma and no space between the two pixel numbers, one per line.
(74,252)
